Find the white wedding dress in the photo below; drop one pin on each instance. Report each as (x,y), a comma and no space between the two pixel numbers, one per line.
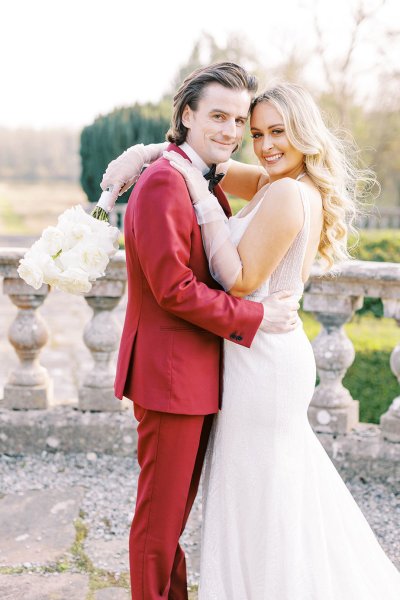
(278,521)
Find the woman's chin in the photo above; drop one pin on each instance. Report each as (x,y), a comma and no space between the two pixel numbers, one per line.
(273,171)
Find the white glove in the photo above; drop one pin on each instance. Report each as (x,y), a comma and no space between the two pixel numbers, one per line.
(124,171)
(280,312)
(223,167)
(223,257)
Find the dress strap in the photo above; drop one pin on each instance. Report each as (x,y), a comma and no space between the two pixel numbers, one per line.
(305,200)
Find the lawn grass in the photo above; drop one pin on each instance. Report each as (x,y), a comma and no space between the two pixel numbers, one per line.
(10,221)
(27,208)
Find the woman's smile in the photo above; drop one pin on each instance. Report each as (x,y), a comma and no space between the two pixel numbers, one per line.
(273,158)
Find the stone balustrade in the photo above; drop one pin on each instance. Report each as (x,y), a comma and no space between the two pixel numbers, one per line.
(332,299)
(29,385)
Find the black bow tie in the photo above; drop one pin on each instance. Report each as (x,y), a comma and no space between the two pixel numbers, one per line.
(213,178)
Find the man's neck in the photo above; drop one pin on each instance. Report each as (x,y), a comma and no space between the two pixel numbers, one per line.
(197,161)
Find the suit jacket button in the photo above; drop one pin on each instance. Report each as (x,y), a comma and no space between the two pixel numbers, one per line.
(239,338)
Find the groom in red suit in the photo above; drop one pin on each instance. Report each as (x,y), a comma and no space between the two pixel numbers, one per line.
(170,353)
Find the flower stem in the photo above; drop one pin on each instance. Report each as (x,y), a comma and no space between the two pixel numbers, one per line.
(100,214)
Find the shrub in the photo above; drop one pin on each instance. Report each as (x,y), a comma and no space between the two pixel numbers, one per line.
(110,135)
(371,381)
(381,245)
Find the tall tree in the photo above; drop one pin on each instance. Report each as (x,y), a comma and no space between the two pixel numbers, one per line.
(110,135)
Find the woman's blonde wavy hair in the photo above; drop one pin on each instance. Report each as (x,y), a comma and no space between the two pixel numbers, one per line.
(328,160)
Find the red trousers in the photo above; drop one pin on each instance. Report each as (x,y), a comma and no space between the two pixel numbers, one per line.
(171,450)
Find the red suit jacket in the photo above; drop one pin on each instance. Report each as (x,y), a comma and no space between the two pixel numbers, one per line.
(170,350)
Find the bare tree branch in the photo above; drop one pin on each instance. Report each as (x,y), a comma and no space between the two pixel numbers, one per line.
(321,51)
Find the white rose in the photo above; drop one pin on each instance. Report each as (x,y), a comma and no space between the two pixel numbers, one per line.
(108,243)
(91,257)
(30,271)
(72,215)
(70,258)
(94,260)
(52,239)
(102,230)
(36,250)
(75,234)
(51,272)
(75,224)
(74,281)
(97,226)
(113,234)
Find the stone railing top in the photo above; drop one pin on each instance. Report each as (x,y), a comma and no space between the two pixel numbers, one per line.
(357,278)
(352,278)
(360,270)
(10,257)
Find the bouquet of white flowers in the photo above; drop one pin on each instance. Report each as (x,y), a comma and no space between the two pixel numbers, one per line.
(71,255)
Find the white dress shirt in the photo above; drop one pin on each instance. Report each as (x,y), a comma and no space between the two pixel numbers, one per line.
(195,158)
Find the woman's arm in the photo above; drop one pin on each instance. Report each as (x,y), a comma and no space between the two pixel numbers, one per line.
(124,171)
(269,235)
(243,180)
(265,242)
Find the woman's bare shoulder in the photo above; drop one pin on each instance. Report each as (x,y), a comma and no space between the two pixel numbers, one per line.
(282,204)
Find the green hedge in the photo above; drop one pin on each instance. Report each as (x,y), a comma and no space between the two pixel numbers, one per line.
(381,245)
(110,135)
(371,381)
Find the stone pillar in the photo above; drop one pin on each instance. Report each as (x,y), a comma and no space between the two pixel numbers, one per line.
(29,385)
(332,409)
(101,336)
(390,421)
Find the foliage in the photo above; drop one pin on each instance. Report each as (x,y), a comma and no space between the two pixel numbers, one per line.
(371,381)
(206,51)
(111,134)
(381,245)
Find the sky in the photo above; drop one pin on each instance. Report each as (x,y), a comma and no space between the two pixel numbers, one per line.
(64,62)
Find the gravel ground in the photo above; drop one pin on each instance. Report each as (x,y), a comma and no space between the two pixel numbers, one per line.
(109,484)
(110,488)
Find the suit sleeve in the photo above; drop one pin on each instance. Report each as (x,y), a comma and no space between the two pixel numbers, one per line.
(163,224)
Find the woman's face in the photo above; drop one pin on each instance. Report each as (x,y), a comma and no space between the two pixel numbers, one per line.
(271,145)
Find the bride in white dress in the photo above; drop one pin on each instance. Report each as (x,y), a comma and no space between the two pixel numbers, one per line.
(278,521)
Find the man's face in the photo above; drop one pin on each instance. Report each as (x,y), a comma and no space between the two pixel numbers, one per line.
(216,128)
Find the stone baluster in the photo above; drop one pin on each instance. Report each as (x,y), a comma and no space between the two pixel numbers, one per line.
(101,336)
(390,421)
(29,385)
(332,409)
